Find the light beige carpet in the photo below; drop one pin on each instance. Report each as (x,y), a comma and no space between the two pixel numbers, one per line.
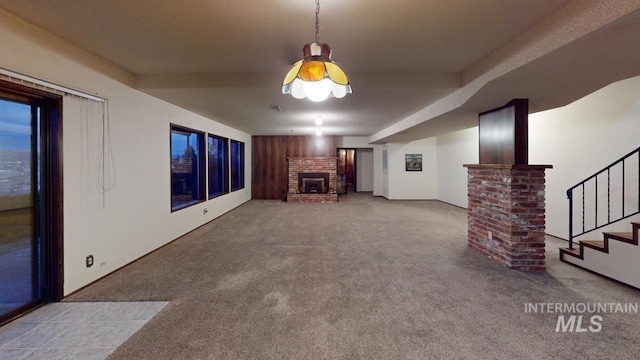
(366,278)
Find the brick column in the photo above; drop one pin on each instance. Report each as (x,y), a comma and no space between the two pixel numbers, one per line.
(507,214)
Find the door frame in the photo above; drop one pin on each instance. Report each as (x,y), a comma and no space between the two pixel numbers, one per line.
(355,165)
(52,192)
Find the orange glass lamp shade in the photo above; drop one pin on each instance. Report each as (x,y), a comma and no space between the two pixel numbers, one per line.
(316,77)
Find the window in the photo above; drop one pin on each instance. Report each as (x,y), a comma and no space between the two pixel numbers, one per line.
(218,166)
(237,165)
(187,167)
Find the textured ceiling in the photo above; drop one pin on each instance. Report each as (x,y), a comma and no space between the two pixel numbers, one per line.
(418,67)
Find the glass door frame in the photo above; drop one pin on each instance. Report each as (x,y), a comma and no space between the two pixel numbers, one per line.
(346,162)
(51,189)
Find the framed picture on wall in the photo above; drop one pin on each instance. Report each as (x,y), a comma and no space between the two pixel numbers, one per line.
(413,162)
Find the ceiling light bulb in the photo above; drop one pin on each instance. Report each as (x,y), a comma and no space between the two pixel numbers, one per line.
(318,120)
(318,132)
(296,89)
(317,90)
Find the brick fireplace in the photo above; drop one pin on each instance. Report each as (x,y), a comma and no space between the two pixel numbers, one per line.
(312,179)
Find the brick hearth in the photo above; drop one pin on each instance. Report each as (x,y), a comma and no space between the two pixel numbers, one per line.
(312,165)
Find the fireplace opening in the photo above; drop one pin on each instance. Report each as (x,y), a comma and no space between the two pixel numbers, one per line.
(313,186)
(313,183)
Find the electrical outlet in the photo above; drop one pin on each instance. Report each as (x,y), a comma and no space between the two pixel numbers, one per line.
(89,261)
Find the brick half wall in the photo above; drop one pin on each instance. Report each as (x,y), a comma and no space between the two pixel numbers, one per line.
(506,214)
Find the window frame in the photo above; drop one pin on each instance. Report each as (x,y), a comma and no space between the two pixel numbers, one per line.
(225,166)
(201,167)
(240,166)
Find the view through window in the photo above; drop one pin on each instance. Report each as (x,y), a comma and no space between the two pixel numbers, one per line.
(237,165)
(187,167)
(218,166)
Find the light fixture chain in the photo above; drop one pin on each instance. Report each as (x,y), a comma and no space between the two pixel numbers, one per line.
(318,21)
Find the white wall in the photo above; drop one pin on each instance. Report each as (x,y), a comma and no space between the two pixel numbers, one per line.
(412,185)
(364,169)
(453,151)
(135,217)
(582,138)
(353,142)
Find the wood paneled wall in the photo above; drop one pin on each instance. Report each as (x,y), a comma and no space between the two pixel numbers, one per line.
(503,134)
(269,161)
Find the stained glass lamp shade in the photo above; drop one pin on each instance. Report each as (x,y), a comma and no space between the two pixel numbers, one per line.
(316,76)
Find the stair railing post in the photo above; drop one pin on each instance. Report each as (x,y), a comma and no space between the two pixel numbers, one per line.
(583,207)
(570,197)
(608,195)
(596,202)
(623,181)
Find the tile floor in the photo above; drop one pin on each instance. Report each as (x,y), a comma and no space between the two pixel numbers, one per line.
(74,330)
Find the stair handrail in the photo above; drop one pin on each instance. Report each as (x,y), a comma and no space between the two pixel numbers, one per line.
(594,177)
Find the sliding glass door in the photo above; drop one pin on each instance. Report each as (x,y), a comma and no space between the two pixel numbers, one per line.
(20,238)
(30,199)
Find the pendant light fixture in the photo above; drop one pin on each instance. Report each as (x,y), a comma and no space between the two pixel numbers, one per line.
(316,76)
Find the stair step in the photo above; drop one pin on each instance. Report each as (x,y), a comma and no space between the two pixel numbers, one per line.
(620,236)
(593,244)
(578,252)
(573,252)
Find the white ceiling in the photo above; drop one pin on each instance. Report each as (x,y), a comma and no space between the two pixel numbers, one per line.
(418,68)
